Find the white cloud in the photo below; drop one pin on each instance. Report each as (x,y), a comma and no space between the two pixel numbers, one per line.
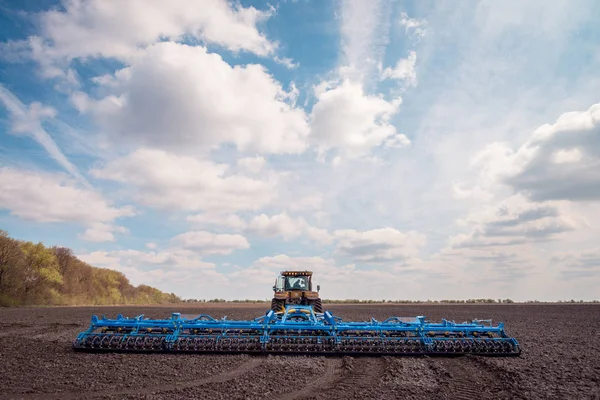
(276,226)
(376,245)
(318,265)
(515,221)
(100,28)
(100,232)
(207,243)
(287,62)
(558,162)
(523,210)
(365,34)
(579,264)
(169,181)
(252,164)
(404,70)
(335,280)
(309,202)
(97,235)
(46,197)
(287,227)
(413,26)
(168,259)
(397,141)
(179,97)
(568,156)
(345,117)
(28,120)
(231,221)
(476,193)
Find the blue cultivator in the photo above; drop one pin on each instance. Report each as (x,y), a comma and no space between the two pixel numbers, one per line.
(297,330)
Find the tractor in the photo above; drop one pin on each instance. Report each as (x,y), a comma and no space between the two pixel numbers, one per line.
(295,287)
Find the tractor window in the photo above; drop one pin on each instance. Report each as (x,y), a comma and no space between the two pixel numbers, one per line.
(296,283)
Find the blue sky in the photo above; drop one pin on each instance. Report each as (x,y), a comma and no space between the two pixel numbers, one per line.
(401,150)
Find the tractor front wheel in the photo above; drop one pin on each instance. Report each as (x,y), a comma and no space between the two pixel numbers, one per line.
(277,305)
(317,306)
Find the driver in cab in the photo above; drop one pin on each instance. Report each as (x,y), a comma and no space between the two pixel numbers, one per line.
(300,284)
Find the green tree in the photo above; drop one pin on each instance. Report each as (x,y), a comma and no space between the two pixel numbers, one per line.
(42,276)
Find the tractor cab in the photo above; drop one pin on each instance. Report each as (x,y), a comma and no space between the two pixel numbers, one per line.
(293,280)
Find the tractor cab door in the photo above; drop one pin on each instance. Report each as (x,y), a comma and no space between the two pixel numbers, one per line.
(280,284)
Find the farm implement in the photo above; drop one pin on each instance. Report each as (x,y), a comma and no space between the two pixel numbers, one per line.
(296,329)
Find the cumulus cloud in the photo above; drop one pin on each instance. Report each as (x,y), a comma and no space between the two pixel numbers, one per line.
(559,162)
(345,117)
(515,221)
(309,202)
(397,141)
(287,227)
(404,70)
(377,245)
(170,259)
(281,226)
(476,193)
(252,164)
(230,221)
(46,197)
(169,181)
(100,232)
(525,198)
(282,262)
(207,243)
(180,97)
(100,28)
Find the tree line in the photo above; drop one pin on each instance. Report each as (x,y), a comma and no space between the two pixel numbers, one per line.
(32,274)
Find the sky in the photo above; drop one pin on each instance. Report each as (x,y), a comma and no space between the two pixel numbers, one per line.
(398,149)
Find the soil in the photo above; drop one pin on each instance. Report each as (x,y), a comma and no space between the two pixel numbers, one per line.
(560,359)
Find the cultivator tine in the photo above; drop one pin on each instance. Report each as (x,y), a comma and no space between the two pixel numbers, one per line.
(298,329)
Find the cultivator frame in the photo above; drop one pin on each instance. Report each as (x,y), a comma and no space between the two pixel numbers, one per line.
(297,330)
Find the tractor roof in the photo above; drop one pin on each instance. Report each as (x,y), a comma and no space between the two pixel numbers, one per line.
(294,273)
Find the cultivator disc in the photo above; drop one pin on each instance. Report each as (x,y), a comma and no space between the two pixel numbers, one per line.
(297,330)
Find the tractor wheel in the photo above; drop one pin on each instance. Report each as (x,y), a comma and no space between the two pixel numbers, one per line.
(277,305)
(318,306)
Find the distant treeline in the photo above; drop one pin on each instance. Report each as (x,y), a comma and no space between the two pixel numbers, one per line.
(356,301)
(32,274)
(469,301)
(224,301)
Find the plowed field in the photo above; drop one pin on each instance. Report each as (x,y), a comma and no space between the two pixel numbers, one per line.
(560,360)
